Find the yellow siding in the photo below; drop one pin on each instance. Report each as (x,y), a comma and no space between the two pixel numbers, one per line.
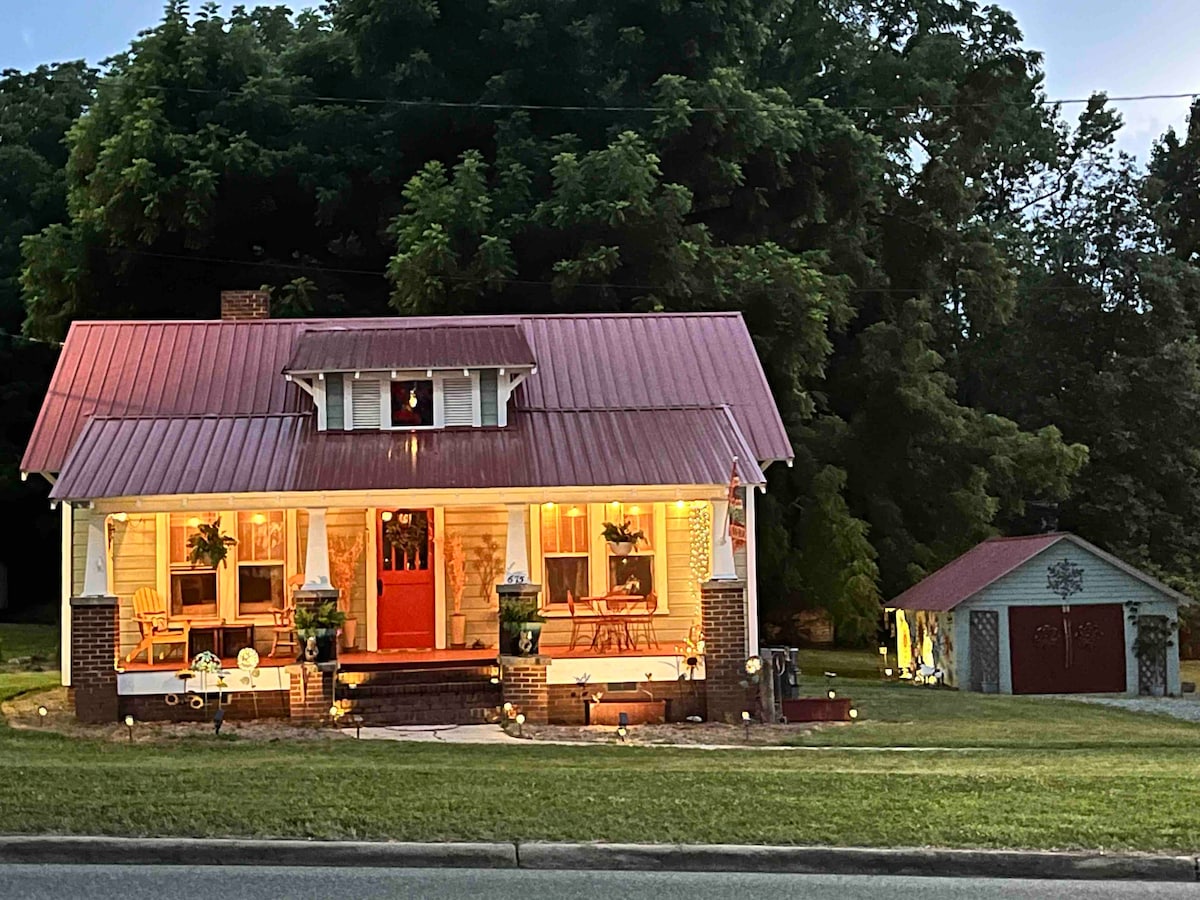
(134,565)
(79,527)
(475,524)
(347,523)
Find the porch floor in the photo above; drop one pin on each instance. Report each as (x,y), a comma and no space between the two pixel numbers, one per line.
(415,659)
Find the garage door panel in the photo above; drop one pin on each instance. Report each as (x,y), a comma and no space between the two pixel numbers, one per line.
(1082,651)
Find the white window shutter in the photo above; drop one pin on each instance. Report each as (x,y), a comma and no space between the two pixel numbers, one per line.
(458,401)
(365,403)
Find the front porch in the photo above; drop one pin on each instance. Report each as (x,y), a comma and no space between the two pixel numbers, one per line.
(417,577)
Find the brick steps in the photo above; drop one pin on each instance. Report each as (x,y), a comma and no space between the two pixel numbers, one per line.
(435,696)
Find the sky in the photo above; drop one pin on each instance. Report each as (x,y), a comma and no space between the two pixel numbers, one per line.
(1119,46)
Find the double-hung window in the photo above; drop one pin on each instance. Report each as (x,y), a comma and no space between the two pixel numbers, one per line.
(261,560)
(193,588)
(634,573)
(565,538)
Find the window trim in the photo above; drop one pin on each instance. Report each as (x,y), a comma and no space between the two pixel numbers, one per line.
(598,553)
(385,379)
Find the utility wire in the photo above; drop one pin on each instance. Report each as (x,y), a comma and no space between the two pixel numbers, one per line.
(612,285)
(684,107)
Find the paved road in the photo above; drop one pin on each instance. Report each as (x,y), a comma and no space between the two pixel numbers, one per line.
(279,883)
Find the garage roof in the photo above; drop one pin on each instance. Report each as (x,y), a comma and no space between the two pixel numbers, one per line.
(985,563)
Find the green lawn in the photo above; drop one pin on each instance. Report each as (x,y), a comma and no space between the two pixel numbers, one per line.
(901,714)
(28,640)
(13,684)
(1048,774)
(1115,799)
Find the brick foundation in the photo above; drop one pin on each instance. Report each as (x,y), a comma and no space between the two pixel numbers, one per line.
(723,608)
(684,698)
(523,684)
(245,305)
(310,693)
(238,706)
(94,649)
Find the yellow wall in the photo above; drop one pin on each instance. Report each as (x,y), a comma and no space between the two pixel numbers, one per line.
(134,566)
(474,524)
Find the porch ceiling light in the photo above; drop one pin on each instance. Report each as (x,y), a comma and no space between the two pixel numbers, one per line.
(193,522)
(320,376)
(429,373)
(386,516)
(393,374)
(574,512)
(679,504)
(412,398)
(356,375)
(549,504)
(258,519)
(120,517)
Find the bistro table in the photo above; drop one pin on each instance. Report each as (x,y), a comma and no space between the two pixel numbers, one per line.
(612,613)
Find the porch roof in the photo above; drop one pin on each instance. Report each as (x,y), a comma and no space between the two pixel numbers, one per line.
(136,457)
(338,348)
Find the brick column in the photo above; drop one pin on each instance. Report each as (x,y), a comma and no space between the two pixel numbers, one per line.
(723,612)
(523,684)
(310,691)
(94,649)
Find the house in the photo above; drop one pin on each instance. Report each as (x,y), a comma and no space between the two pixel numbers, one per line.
(348,457)
(1041,614)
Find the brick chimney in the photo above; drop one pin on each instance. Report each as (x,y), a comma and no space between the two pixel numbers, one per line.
(245,305)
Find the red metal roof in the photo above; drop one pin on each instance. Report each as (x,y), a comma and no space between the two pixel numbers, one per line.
(621,361)
(588,362)
(343,348)
(964,577)
(539,448)
(161,369)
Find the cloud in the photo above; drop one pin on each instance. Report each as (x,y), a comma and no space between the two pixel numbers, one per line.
(27,38)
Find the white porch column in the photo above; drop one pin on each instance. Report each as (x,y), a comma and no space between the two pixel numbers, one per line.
(316,557)
(95,573)
(516,556)
(723,568)
(751,574)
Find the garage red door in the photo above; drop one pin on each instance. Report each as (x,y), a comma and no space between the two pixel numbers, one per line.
(1042,663)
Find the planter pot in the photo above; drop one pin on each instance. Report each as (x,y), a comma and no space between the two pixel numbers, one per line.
(326,639)
(458,629)
(520,639)
(621,548)
(349,633)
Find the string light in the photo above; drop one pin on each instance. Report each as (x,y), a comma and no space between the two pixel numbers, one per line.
(700,528)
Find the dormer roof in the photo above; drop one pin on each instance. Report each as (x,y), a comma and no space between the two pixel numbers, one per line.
(343,348)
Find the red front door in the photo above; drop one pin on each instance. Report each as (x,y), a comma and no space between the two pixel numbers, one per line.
(406,606)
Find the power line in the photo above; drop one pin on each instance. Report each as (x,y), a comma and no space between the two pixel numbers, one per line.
(20,338)
(685,108)
(545,282)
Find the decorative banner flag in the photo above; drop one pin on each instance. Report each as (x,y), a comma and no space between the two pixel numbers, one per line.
(735,518)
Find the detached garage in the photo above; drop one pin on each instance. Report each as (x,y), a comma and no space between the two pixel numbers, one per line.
(1043,614)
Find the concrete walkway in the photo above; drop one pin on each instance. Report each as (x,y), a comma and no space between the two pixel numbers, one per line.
(493,734)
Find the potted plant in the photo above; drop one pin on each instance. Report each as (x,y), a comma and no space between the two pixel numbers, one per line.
(344,553)
(520,627)
(321,623)
(208,547)
(621,538)
(456,580)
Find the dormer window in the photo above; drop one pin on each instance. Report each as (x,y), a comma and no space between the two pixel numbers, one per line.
(412,404)
(394,377)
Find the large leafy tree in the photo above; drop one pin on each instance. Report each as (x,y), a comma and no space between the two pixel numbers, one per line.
(840,171)
(36,109)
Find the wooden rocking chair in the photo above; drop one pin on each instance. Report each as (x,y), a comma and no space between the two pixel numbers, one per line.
(150,613)
(284,626)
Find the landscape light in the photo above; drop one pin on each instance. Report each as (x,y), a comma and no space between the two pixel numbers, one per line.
(831,693)
(887,672)
(43,712)
(622,725)
(621,732)
(129,725)
(746,723)
(520,724)
(853,712)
